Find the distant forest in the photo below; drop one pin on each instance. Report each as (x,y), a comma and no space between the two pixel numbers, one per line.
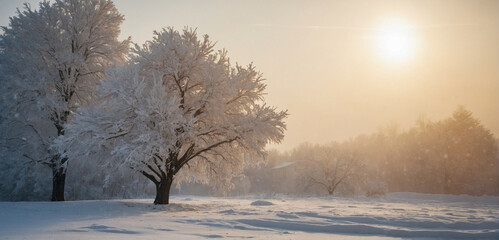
(456,155)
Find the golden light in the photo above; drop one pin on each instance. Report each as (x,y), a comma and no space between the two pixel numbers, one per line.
(395,42)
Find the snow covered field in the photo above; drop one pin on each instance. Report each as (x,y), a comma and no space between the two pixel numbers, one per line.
(396,216)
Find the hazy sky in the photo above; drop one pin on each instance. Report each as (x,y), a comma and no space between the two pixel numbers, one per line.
(325,63)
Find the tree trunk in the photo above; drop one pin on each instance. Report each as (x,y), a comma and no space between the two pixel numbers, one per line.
(333,187)
(58,182)
(163,190)
(58,168)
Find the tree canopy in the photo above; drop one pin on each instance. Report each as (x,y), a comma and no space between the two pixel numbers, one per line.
(51,59)
(178,104)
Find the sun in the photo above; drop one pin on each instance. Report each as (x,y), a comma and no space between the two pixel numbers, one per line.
(395,41)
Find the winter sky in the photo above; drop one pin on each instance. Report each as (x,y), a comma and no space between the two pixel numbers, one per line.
(344,68)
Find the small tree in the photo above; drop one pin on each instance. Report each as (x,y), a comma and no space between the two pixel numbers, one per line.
(50,61)
(330,166)
(177,104)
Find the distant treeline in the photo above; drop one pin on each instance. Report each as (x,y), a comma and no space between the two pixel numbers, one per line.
(456,155)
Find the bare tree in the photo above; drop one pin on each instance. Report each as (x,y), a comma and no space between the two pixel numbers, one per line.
(330,166)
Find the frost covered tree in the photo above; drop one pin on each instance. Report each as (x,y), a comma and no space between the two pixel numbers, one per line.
(179,110)
(50,61)
(466,156)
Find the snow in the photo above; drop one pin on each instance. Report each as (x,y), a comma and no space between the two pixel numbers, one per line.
(396,216)
(283,165)
(261,203)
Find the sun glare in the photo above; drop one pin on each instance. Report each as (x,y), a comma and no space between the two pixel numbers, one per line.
(395,42)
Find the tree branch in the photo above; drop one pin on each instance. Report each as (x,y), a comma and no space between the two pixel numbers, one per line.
(211,147)
(151,177)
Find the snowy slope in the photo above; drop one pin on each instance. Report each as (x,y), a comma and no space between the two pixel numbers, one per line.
(399,215)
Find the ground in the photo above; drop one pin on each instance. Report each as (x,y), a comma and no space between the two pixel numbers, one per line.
(395,216)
